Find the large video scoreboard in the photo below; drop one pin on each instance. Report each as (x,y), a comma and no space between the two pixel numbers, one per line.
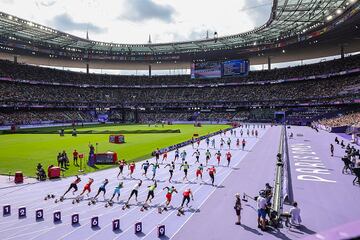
(220,69)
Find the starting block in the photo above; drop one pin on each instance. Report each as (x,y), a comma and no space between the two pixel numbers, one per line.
(22,212)
(161,231)
(138,227)
(116,224)
(57,216)
(6,210)
(39,214)
(75,219)
(94,222)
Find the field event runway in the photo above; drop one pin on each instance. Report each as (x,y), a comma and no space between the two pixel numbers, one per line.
(32,197)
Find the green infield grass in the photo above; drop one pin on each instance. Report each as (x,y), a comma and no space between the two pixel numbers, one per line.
(22,151)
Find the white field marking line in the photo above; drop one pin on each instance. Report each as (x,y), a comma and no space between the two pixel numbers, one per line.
(186,185)
(163,173)
(151,211)
(231,170)
(221,174)
(49,214)
(71,207)
(97,207)
(205,199)
(135,207)
(118,206)
(51,186)
(148,212)
(24,234)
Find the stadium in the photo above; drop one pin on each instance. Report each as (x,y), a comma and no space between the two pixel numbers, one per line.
(248,128)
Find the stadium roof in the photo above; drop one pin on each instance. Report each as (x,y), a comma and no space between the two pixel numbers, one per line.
(288,18)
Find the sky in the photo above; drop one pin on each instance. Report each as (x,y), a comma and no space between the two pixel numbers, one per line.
(132,21)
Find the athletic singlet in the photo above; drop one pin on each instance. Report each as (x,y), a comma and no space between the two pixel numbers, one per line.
(104,184)
(200,168)
(185,166)
(187,193)
(152,188)
(146,165)
(208,154)
(171,190)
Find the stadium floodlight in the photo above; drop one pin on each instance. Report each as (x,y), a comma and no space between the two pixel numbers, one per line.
(339,11)
(329,17)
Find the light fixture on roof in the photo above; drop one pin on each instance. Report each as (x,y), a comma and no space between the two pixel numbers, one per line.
(339,11)
(283,51)
(329,17)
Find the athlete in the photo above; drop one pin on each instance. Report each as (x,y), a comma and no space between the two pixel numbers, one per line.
(171,170)
(157,155)
(154,167)
(248,132)
(168,196)
(150,195)
(186,168)
(192,142)
(73,185)
(208,156)
(229,142)
(117,191)
(198,142)
(75,158)
(222,141)
(135,192)
(218,157)
(256,133)
(145,166)
(131,168)
(87,187)
(241,132)
(228,158)
(213,143)
(243,144)
(237,143)
(212,172)
(252,132)
(102,188)
(197,155)
(176,155)
(183,156)
(199,171)
(332,149)
(122,163)
(186,197)
(207,142)
(165,154)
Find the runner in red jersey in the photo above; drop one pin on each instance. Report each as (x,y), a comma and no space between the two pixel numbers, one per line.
(131,168)
(165,154)
(212,172)
(228,157)
(186,197)
(218,157)
(199,171)
(87,187)
(169,195)
(122,163)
